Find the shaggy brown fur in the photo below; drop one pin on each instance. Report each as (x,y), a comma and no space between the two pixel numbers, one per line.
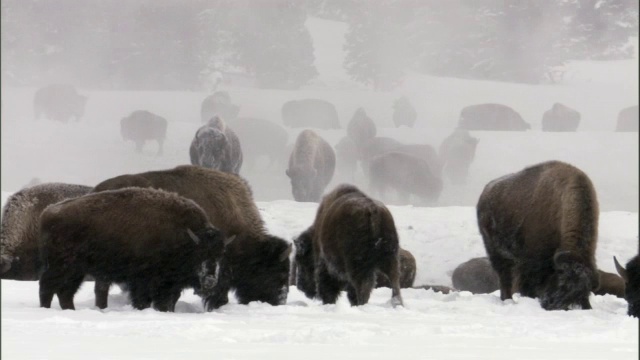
(540,227)
(495,117)
(310,113)
(216,146)
(59,102)
(631,276)
(361,128)
(476,276)
(20,229)
(628,119)
(456,154)
(560,118)
(311,166)
(143,125)
(155,242)
(407,271)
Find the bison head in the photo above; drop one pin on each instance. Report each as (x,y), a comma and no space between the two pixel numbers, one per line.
(303,260)
(570,285)
(211,146)
(631,276)
(303,185)
(210,242)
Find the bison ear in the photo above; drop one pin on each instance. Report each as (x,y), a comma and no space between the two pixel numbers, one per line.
(228,240)
(621,270)
(193,236)
(285,254)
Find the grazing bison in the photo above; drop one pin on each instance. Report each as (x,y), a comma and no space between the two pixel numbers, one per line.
(495,117)
(143,125)
(540,228)
(59,102)
(155,242)
(311,166)
(19,233)
(628,120)
(260,137)
(218,104)
(631,276)
(407,271)
(560,118)
(255,264)
(353,238)
(476,276)
(456,154)
(346,159)
(310,113)
(407,175)
(216,146)
(404,113)
(361,128)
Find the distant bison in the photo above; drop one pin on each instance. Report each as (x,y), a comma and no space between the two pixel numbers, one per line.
(407,175)
(19,233)
(218,104)
(155,242)
(477,276)
(456,155)
(255,264)
(361,128)
(216,146)
(260,137)
(142,125)
(407,271)
(353,238)
(311,166)
(631,276)
(404,113)
(59,102)
(560,118)
(495,117)
(628,119)
(540,228)
(310,113)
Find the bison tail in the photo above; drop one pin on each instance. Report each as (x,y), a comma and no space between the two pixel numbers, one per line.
(579,218)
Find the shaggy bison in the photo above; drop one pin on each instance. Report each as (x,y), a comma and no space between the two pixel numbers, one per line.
(19,233)
(494,117)
(361,128)
(628,120)
(352,239)
(255,264)
(59,102)
(560,118)
(311,166)
(218,104)
(476,276)
(310,113)
(260,137)
(540,228)
(143,125)
(631,276)
(456,154)
(404,113)
(216,146)
(155,242)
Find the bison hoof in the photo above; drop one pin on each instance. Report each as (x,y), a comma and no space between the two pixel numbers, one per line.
(396,301)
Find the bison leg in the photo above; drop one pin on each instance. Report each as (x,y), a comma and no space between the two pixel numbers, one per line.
(360,293)
(68,290)
(328,287)
(47,289)
(391,268)
(504,268)
(101,291)
(140,295)
(166,301)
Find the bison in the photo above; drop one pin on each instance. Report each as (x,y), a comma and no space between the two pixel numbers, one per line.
(495,117)
(477,276)
(216,146)
(628,119)
(560,118)
(19,233)
(59,102)
(218,104)
(407,271)
(631,276)
(311,166)
(260,137)
(404,113)
(456,154)
(142,125)
(255,264)
(611,284)
(310,113)
(539,227)
(361,128)
(155,242)
(353,238)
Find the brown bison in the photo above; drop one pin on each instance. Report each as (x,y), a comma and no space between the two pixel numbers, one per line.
(59,102)
(407,271)
(310,113)
(218,104)
(611,284)
(404,113)
(361,128)
(628,119)
(496,117)
(560,118)
(476,276)
(155,242)
(142,125)
(631,276)
(540,228)
(216,146)
(311,166)
(255,264)
(456,154)
(260,137)
(351,240)
(19,257)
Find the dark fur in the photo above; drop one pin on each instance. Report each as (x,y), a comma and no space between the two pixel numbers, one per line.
(311,166)
(139,237)
(404,113)
(436,288)
(218,104)
(540,228)
(260,137)
(495,117)
(628,119)
(310,113)
(476,276)
(254,263)
(143,125)
(361,128)
(631,276)
(59,102)
(20,229)
(407,271)
(456,154)
(216,146)
(560,118)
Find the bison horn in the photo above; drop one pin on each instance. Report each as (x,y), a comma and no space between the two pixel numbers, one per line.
(622,271)
(228,240)
(193,236)
(285,254)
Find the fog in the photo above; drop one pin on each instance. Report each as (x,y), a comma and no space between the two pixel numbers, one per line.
(166,57)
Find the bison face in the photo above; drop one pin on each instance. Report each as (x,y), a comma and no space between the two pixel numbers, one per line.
(303,184)
(570,285)
(211,146)
(305,280)
(210,242)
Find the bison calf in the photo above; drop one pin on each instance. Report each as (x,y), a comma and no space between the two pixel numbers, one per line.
(476,276)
